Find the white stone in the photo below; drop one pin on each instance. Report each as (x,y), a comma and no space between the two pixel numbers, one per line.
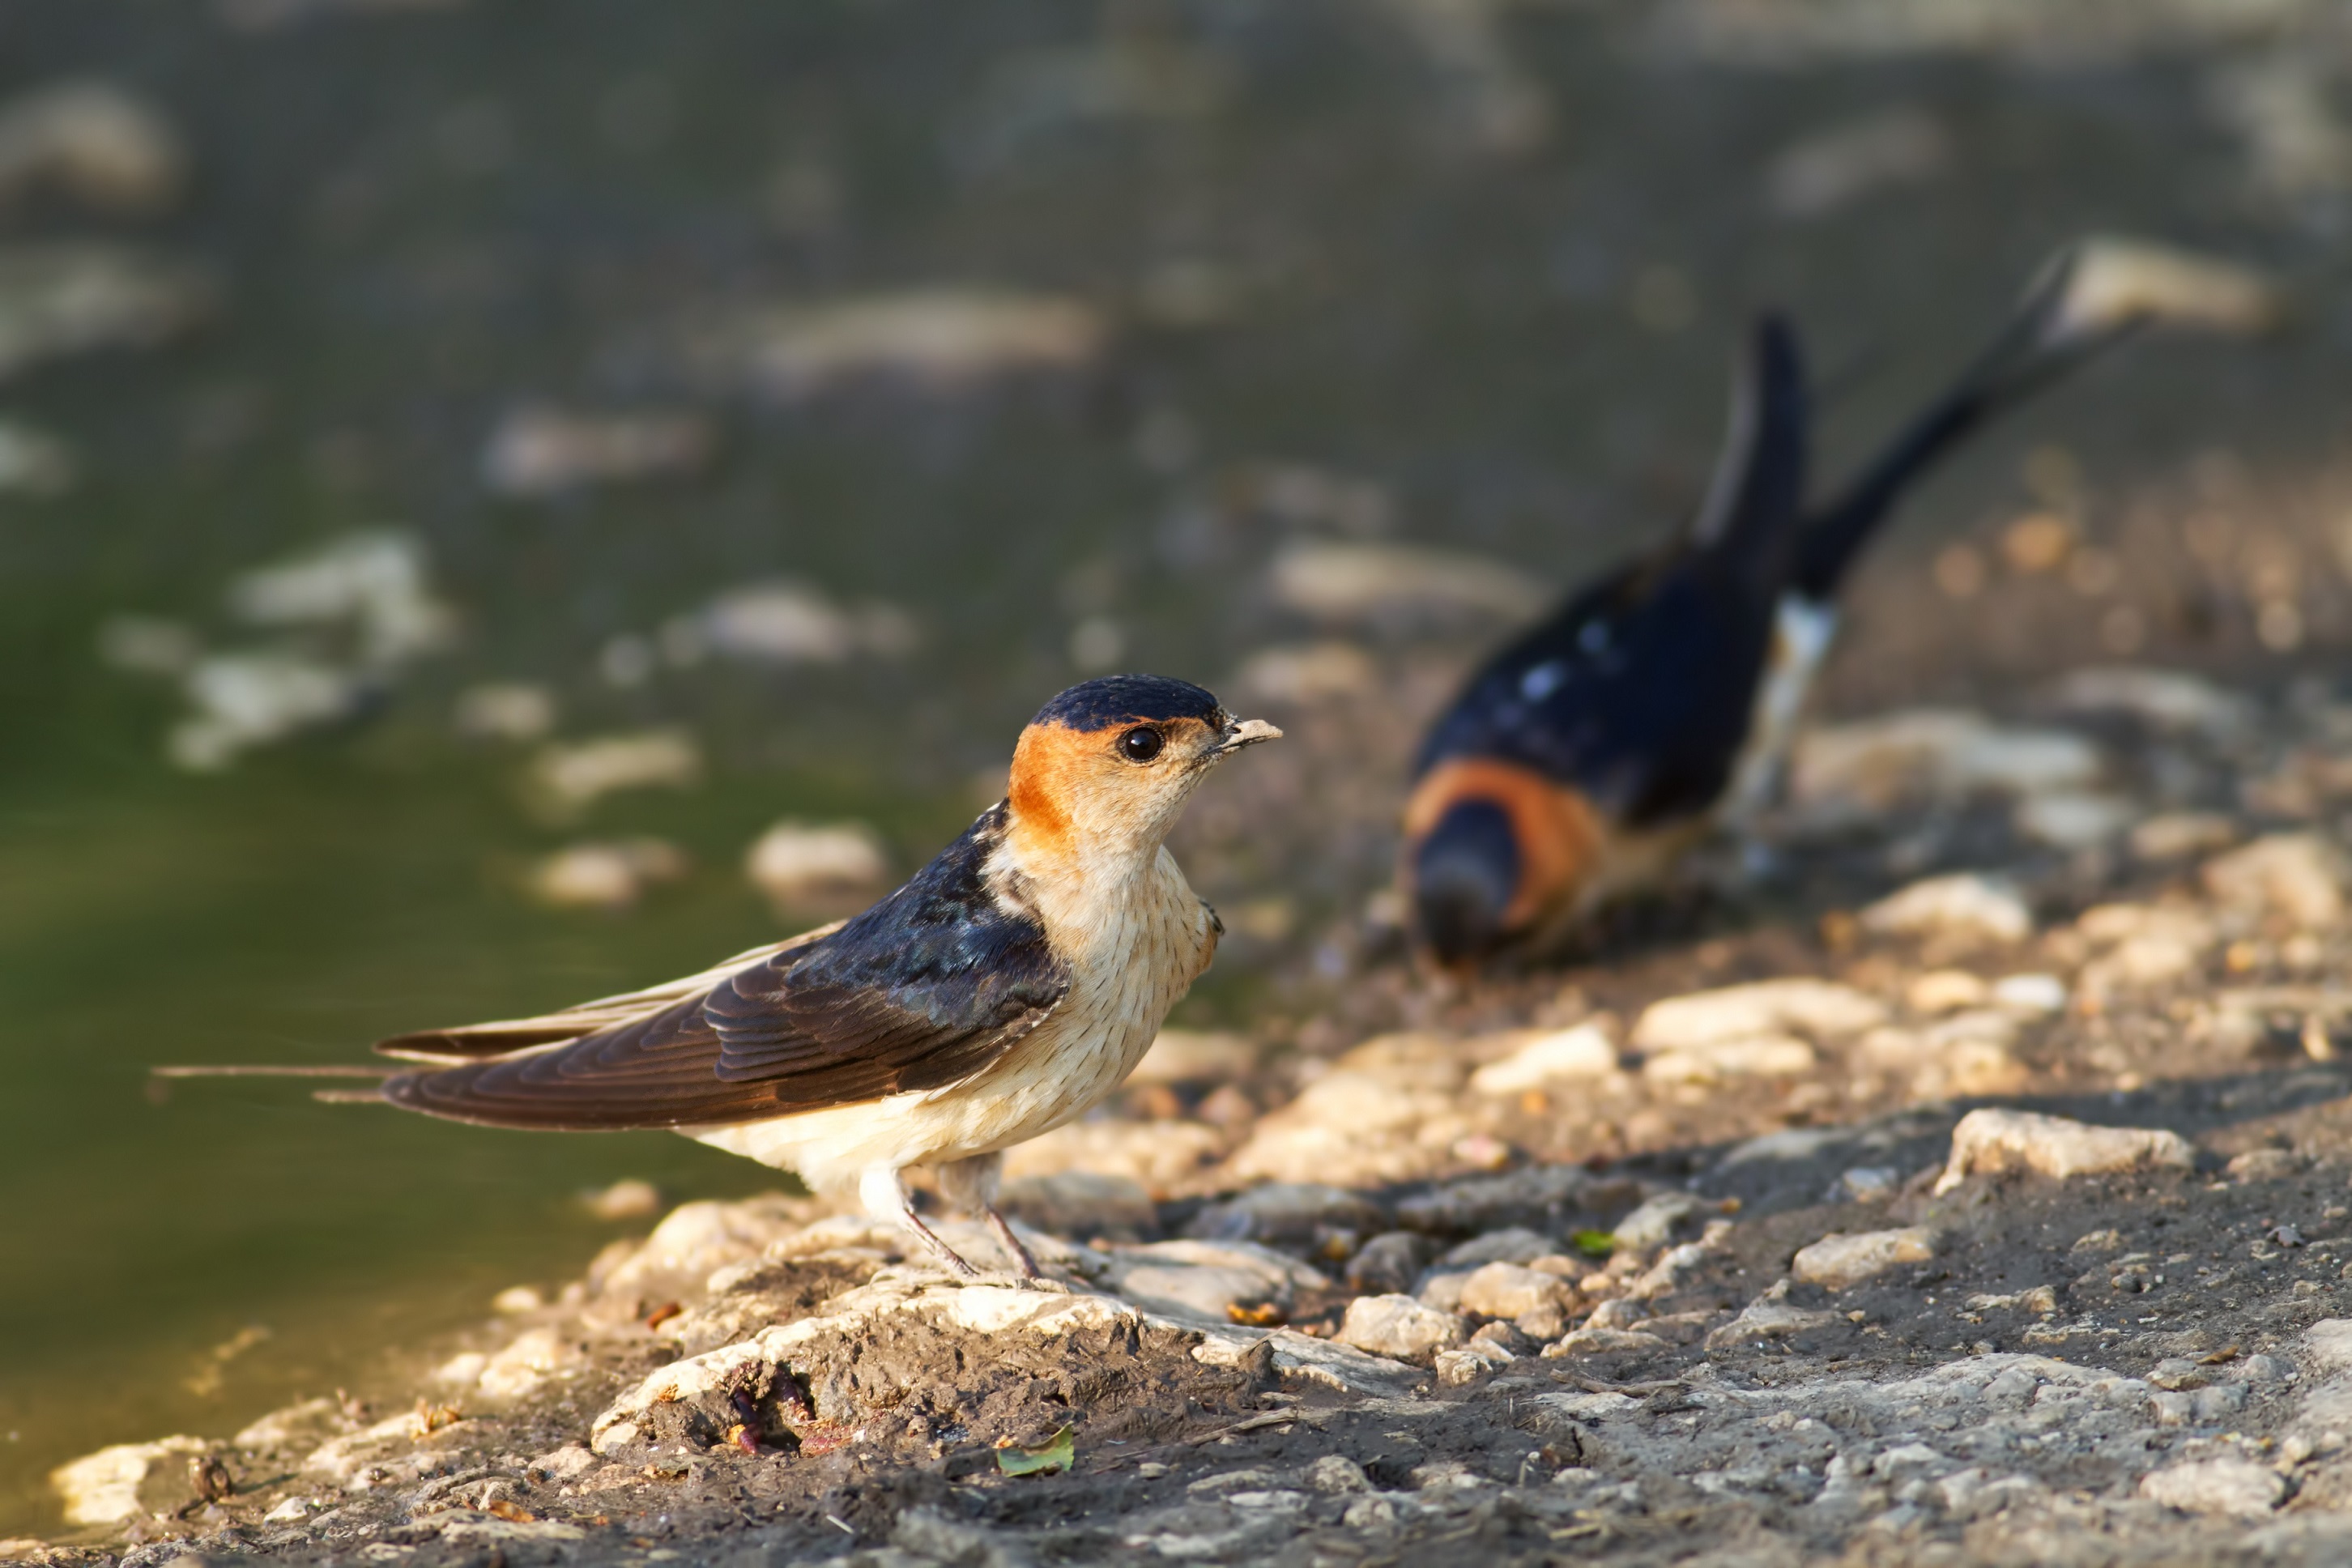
(103,1488)
(796,863)
(1469,1361)
(1601,1341)
(604,875)
(1761,1056)
(2054,1146)
(1652,1225)
(1507,1289)
(2177,835)
(2074,820)
(1946,753)
(1962,904)
(2030,994)
(1766,1319)
(2299,877)
(788,621)
(1815,1007)
(933,341)
(1946,991)
(567,1463)
(2162,698)
(575,775)
(1398,1327)
(538,451)
(1195,1056)
(2237,1487)
(1209,1278)
(1340,582)
(2328,1345)
(698,1238)
(1840,1261)
(1158,1155)
(1584,1051)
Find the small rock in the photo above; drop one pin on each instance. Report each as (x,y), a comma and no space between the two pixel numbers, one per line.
(799,864)
(1307,674)
(2237,1487)
(504,711)
(571,777)
(786,621)
(1763,1008)
(1654,1224)
(1536,1198)
(1584,1051)
(1461,1366)
(57,299)
(936,341)
(567,1463)
(1082,1204)
(1210,1279)
(2120,281)
(2264,1165)
(1157,1154)
(2030,994)
(2074,820)
(1335,1475)
(95,142)
(1195,1056)
(1601,1341)
(629,1199)
(1769,1317)
(2328,1345)
(2020,1139)
(106,1487)
(1946,991)
(1287,1213)
(604,875)
(1619,1313)
(537,451)
(1388,1264)
(1839,1261)
(2163,700)
(2299,877)
(1399,1327)
(1761,1056)
(2177,835)
(1867,1185)
(1508,1290)
(1514,1245)
(1343,582)
(1964,904)
(1941,753)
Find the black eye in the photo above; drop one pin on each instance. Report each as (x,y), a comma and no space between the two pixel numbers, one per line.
(1140,744)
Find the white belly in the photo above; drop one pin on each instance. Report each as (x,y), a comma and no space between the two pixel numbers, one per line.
(1131,966)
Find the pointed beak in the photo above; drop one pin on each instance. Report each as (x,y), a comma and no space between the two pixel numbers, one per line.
(1244,732)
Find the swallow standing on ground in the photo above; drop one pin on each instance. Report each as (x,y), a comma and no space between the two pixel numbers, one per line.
(1580,760)
(1009,987)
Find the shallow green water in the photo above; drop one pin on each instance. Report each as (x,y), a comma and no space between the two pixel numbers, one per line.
(415,221)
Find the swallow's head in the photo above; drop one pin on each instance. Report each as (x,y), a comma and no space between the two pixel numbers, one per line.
(1493,853)
(1108,765)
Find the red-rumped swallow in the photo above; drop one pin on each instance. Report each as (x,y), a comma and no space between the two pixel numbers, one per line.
(1580,760)
(1010,986)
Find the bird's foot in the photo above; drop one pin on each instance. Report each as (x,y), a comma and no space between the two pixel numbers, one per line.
(952,1260)
(1012,1244)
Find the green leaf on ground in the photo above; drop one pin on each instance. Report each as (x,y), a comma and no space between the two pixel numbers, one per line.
(1593,1243)
(1056,1453)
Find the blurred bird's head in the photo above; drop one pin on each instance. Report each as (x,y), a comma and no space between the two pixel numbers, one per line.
(1493,853)
(1105,767)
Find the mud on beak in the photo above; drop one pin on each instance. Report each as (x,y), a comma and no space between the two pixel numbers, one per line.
(1240,733)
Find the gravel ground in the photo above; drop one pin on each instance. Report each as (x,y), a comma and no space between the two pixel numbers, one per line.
(1844,1203)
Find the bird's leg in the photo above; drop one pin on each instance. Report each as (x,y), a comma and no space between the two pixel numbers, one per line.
(971,1184)
(885,1197)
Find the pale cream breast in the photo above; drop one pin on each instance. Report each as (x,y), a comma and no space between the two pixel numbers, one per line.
(1133,947)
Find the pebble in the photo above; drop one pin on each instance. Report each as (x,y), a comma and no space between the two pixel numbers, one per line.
(1872,765)
(1209,1278)
(626,1199)
(1400,1327)
(504,711)
(1582,1052)
(1307,674)
(796,863)
(936,340)
(2074,820)
(376,583)
(1654,1224)
(1838,1261)
(1508,1290)
(1157,1154)
(1946,991)
(1534,1197)
(1989,1141)
(104,1488)
(603,876)
(1764,1008)
(2164,699)
(2299,877)
(1195,1056)
(787,621)
(1081,1203)
(1287,1213)
(1964,905)
(241,701)
(1767,1318)
(96,141)
(2177,835)
(1388,1264)
(1515,1243)
(1601,1341)
(1460,1365)
(537,452)
(2237,1487)
(1763,1056)
(569,778)
(1341,582)
(2030,994)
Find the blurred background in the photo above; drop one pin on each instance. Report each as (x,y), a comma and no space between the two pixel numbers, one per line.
(472,469)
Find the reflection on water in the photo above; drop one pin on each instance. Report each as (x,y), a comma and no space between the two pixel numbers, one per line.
(651,424)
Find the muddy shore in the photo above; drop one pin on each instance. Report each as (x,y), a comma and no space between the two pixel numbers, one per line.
(1959,1175)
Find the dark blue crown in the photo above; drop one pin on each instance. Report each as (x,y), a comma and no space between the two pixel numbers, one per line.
(1126,699)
